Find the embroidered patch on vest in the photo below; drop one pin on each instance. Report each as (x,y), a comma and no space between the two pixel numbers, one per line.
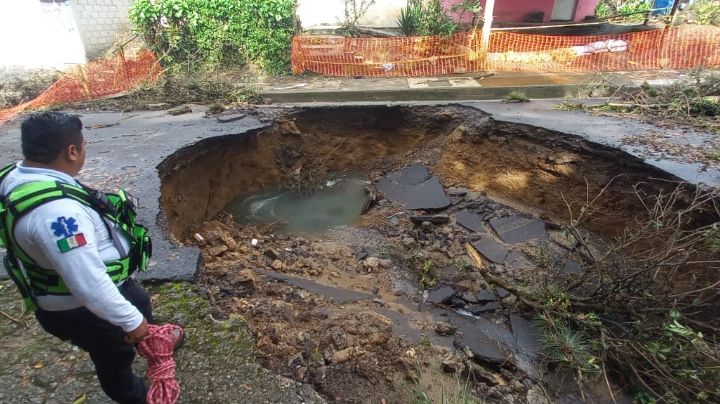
(71,243)
(64,227)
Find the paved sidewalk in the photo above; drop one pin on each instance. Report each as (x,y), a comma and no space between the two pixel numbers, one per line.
(477,86)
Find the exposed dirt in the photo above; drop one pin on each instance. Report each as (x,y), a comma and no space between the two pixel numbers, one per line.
(216,364)
(18,85)
(350,350)
(521,165)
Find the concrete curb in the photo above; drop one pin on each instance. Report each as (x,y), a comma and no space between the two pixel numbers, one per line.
(424,94)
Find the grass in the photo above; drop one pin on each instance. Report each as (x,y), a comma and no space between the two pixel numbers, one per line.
(570,106)
(414,260)
(462,394)
(516,96)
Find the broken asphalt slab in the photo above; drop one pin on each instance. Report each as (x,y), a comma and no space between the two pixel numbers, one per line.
(492,250)
(471,221)
(415,188)
(340,296)
(518,229)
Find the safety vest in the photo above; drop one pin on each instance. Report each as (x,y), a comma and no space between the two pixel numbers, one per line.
(32,279)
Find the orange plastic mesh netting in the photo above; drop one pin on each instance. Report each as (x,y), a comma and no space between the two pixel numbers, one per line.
(674,48)
(95,79)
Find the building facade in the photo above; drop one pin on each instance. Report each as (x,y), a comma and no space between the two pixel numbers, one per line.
(58,33)
(384,13)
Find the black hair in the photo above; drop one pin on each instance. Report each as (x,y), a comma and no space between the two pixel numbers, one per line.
(46,135)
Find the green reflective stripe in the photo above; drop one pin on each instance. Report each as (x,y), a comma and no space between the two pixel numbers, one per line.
(31,189)
(44,282)
(6,170)
(4,240)
(24,204)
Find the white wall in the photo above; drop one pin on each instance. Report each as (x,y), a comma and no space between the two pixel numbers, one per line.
(314,13)
(38,34)
(99,22)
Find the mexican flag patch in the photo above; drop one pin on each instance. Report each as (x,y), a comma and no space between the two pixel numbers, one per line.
(71,243)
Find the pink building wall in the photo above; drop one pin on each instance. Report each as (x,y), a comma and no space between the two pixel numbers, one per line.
(585,8)
(517,10)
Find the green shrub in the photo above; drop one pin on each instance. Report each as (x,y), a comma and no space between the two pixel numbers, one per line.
(608,8)
(199,34)
(435,20)
(706,12)
(409,19)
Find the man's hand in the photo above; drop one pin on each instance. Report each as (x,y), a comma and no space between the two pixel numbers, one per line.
(137,334)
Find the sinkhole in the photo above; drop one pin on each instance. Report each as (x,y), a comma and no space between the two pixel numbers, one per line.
(534,169)
(342,236)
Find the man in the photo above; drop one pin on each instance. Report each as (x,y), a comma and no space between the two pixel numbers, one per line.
(76,252)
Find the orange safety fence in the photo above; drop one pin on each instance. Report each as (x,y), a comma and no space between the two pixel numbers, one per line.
(672,48)
(95,79)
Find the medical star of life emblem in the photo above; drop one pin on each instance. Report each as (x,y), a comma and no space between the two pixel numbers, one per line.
(67,229)
(64,227)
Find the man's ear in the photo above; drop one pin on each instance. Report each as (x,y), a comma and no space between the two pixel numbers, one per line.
(73,153)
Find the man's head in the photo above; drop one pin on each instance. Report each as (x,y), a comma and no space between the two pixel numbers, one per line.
(54,140)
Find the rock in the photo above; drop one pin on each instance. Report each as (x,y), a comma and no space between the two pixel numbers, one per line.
(527,337)
(486,295)
(436,220)
(272,253)
(300,372)
(415,188)
(230,116)
(480,309)
(185,109)
(441,295)
(487,341)
(536,396)
(456,302)
(218,250)
(409,242)
(482,375)
(372,263)
(453,365)
(518,229)
(338,337)
(502,293)
(445,329)
(563,238)
(491,250)
(458,192)
(277,265)
(517,261)
(344,355)
(229,241)
(469,297)
(572,267)
(246,277)
(470,221)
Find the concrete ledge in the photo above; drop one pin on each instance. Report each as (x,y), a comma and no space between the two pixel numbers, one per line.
(424,94)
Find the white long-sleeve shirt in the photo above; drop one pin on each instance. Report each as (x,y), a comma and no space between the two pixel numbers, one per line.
(82,268)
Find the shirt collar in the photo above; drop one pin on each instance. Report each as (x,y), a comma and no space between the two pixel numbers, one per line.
(46,172)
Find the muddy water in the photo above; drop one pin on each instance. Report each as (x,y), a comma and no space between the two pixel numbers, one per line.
(337,202)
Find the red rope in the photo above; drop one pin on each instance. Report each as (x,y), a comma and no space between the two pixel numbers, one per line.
(157,348)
